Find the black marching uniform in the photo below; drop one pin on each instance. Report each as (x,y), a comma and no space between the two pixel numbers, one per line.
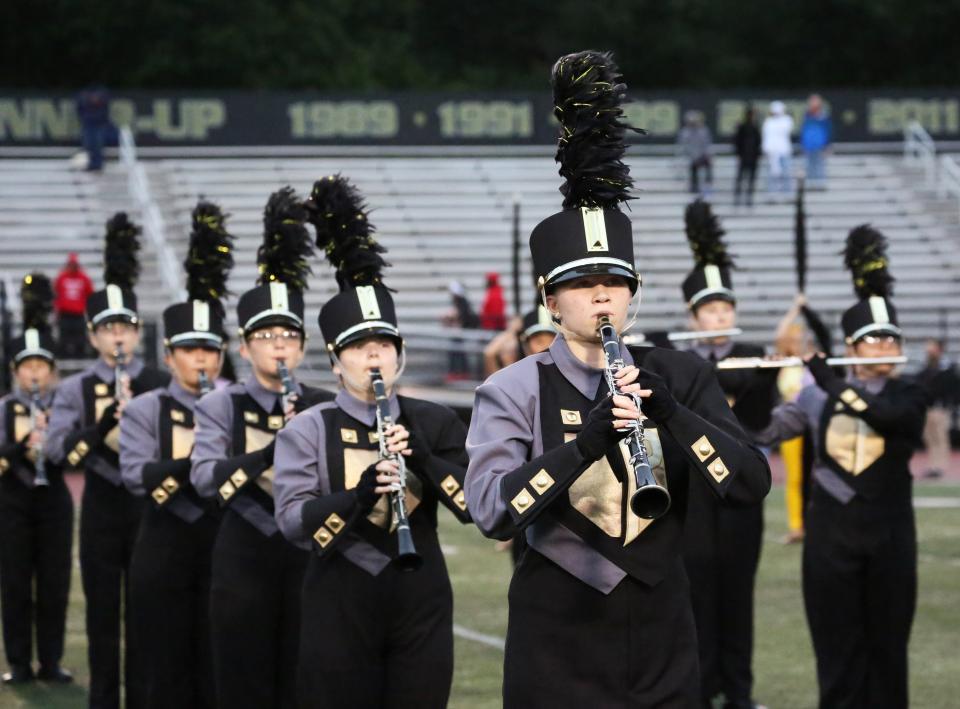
(83,433)
(860,548)
(599,604)
(36,524)
(375,634)
(256,574)
(170,571)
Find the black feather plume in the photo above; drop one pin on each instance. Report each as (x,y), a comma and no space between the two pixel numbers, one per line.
(36,294)
(121,266)
(706,235)
(286,247)
(800,240)
(866,257)
(339,214)
(209,256)
(588,94)
(819,329)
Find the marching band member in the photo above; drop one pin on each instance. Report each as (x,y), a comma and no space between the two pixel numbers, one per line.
(84,433)
(256,575)
(377,603)
(599,604)
(36,510)
(722,543)
(170,571)
(860,548)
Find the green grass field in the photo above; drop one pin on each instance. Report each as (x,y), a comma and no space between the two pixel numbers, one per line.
(783,660)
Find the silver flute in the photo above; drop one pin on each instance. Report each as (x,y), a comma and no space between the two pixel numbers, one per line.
(780,362)
(651,500)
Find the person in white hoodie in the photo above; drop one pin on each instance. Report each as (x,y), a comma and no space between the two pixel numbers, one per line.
(777,147)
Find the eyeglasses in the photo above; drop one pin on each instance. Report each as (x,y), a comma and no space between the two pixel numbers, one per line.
(880,339)
(118,326)
(282,336)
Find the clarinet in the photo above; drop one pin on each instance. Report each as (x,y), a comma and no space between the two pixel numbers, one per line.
(407,557)
(287,382)
(651,500)
(40,466)
(119,372)
(205,386)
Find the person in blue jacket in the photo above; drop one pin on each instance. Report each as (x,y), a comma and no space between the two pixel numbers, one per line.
(816,137)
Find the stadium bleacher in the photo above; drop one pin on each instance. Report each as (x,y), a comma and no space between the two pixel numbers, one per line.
(451,218)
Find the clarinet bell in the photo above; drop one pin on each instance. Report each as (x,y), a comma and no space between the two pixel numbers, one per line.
(407,558)
(651,500)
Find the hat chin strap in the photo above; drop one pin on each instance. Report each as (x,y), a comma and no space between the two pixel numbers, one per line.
(635,301)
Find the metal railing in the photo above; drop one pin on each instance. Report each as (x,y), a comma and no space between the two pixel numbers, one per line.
(948,179)
(941,173)
(138,185)
(920,150)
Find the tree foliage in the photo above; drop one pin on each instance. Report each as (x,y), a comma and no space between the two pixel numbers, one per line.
(493,45)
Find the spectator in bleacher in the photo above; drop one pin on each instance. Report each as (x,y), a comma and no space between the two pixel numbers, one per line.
(71,288)
(460,315)
(93,109)
(940,380)
(816,136)
(777,147)
(493,313)
(695,143)
(746,145)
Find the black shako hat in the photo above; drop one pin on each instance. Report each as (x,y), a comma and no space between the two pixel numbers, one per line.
(536,321)
(363,307)
(121,269)
(36,340)
(199,322)
(283,266)
(865,256)
(591,235)
(710,278)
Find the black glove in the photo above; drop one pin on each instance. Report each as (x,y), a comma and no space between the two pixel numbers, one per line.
(660,406)
(598,434)
(420,453)
(107,421)
(365,489)
(267,452)
(823,373)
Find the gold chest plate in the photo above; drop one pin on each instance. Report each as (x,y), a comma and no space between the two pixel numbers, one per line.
(601,498)
(257,439)
(113,438)
(22,426)
(852,443)
(355,461)
(182,444)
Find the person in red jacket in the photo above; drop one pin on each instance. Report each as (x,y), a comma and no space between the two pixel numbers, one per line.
(72,288)
(493,314)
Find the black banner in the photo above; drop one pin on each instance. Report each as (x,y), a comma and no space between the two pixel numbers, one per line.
(162,118)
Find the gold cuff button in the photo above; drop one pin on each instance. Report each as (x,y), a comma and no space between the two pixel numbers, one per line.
(335,522)
(449,485)
(521,503)
(703,448)
(323,537)
(542,481)
(719,470)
